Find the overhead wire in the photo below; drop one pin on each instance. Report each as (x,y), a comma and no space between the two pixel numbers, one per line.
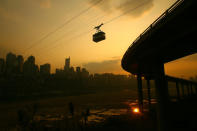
(107,22)
(70,32)
(113,19)
(63,25)
(63,36)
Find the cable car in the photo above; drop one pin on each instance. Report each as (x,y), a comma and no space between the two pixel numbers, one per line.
(99,35)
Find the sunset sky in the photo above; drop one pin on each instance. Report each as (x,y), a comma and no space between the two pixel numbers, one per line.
(52,30)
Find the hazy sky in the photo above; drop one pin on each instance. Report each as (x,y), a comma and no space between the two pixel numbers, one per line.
(48,30)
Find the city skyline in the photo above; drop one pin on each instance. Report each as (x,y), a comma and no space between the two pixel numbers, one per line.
(16,64)
(94,67)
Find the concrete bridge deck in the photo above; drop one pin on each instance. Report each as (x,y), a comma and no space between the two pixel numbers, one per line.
(171,36)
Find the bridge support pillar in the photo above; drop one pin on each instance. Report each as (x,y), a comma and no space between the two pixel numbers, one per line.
(191,88)
(182,87)
(162,97)
(188,90)
(140,92)
(196,90)
(177,90)
(149,93)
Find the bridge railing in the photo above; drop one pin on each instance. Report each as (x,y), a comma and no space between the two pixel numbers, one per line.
(184,88)
(159,19)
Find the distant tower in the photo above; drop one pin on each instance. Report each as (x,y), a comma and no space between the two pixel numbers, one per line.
(45,69)
(31,60)
(85,73)
(2,66)
(11,63)
(20,62)
(78,69)
(67,64)
(29,67)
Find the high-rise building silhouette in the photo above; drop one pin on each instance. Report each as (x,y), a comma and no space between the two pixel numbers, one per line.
(2,66)
(31,60)
(45,69)
(29,67)
(78,69)
(20,62)
(84,73)
(11,63)
(59,72)
(72,69)
(67,64)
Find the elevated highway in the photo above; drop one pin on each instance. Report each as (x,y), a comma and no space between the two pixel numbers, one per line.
(172,36)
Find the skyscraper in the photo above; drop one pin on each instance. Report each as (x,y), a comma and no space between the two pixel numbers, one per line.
(78,69)
(20,62)
(29,67)
(67,64)
(85,73)
(11,63)
(31,60)
(45,69)
(2,66)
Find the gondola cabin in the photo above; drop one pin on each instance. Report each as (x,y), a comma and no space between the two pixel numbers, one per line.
(99,36)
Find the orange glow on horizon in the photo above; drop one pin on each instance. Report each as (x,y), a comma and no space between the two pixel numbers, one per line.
(49,44)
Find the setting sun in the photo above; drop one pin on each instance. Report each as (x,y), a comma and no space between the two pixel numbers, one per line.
(136,110)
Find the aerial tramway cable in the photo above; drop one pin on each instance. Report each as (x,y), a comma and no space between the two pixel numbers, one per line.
(100,35)
(63,25)
(107,22)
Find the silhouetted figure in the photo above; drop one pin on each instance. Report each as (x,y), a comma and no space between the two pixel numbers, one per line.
(87,111)
(23,119)
(71,108)
(85,115)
